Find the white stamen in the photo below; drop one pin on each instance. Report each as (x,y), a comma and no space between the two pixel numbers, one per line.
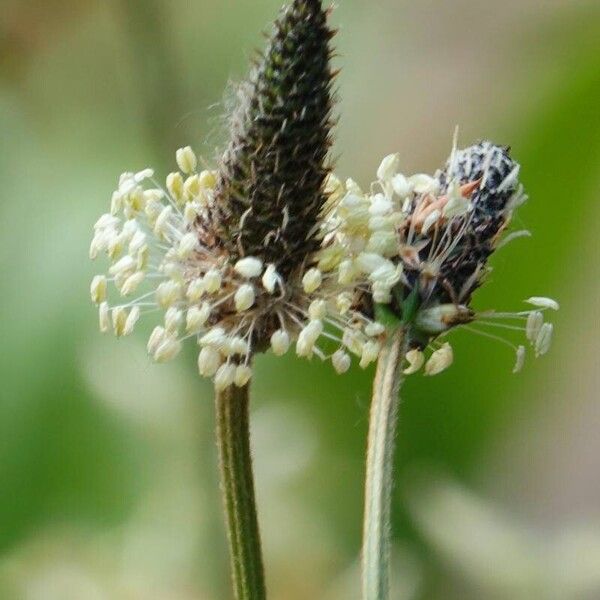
(98,289)
(104,317)
(186,160)
(440,360)
(224,377)
(535,320)
(168,349)
(132,283)
(243,374)
(271,278)
(543,302)
(249,267)
(196,317)
(212,281)
(209,360)
(244,297)
(312,280)
(544,339)
(415,359)
(341,361)
(317,309)
(520,359)
(280,342)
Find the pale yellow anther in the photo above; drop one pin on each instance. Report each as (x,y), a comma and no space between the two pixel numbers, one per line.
(244,297)
(186,160)
(175,186)
(212,281)
(104,317)
(415,359)
(440,360)
(209,360)
(312,280)
(243,374)
(249,267)
(132,283)
(224,377)
(280,342)
(98,289)
(119,317)
(196,317)
(341,361)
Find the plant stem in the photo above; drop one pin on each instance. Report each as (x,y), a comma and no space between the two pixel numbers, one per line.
(237,485)
(380,459)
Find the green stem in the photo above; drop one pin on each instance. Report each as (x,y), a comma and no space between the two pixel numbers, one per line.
(237,485)
(380,459)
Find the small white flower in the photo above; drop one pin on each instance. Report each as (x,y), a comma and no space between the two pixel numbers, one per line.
(173,319)
(308,337)
(520,359)
(209,360)
(369,262)
(374,329)
(175,185)
(280,342)
(347,272)
(212,281)
(119,317)
(98,289)
(156,338)
(132,283)
(244,297)
(186,160)
(132,319)
(195,290)
(430,220)
(312,280)
(415,359)
(167,293)
(187,245)
(196,317)
(243,374)
(224,377)
(388,168)
(249,267)
(341,361)
(317,309)
(543,302)
(544,339)
(440,360)
(370,352)
(401,185)
(535,320)
(168,349)
(104,317)
(271,278)
(424,184)
(215,337)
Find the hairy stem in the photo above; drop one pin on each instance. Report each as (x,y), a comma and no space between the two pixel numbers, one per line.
(237,485)
(380,458)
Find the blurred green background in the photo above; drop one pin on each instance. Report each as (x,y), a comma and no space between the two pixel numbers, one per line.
(108,483)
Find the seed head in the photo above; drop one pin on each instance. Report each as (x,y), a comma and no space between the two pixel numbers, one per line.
(269,192)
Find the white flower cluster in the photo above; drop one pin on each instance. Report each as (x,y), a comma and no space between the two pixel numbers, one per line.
(153,238)
(407,225)
(372,246)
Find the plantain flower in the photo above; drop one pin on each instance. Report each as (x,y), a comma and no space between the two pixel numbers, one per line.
(417,247)
(231,256)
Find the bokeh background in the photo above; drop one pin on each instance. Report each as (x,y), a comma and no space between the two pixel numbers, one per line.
(108,483)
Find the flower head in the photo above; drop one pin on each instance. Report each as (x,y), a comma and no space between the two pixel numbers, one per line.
(418,247)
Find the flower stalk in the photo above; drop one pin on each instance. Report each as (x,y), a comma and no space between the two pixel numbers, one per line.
(380,460)
(237,486)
